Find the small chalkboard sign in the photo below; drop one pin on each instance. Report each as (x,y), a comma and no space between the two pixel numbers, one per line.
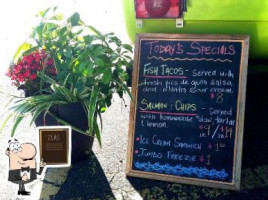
(187,117)
(55,145)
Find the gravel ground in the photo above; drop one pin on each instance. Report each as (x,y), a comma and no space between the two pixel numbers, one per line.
(8,190)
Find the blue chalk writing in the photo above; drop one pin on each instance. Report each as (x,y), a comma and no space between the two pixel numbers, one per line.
(180,170)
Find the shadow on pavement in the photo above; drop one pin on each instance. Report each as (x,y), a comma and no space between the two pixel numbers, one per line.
(254,179)
(85,180)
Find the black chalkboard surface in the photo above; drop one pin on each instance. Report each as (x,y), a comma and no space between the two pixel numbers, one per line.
(186,121)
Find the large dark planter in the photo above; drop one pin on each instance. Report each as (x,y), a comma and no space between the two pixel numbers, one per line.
(75,115)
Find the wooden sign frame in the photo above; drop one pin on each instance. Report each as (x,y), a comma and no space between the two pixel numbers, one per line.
(67,131)
(235,184)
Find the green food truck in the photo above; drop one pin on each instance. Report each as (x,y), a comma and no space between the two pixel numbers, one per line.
(207,17)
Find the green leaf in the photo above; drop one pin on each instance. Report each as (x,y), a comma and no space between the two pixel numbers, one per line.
(47,110)
(43,13)
(127,57)
(116,40)
(78,34)
(82,66)
(97,131)
(38,33)
(84,93)
(23,47)
(37,113)
(99,70)
(63,31)
(102,60)
(30,50)
(89,68)
(66,123)
(18,120)
(106,78)
(88,39)
(66,80)
(103,109)
(75,92)
(62,75)
(118,50)
(94,30)
(63,93)
(101,122)
(99,61)
(74,19)
(92,107)
(5,122)
(80,85)
(127,63)
(24,107)
(124,86)
(128,47)
(68,52)
(98,50)
(46,78)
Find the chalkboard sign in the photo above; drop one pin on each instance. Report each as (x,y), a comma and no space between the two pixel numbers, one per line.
(186,120)
(55,145)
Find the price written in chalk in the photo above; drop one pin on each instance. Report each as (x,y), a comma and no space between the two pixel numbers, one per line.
(176,92)
(185,111)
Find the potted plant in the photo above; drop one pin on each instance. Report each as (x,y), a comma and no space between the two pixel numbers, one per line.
(69,72)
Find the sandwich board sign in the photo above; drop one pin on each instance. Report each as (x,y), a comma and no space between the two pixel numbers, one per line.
(187,116)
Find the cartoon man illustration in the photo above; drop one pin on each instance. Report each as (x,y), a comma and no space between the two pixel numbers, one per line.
(22,164)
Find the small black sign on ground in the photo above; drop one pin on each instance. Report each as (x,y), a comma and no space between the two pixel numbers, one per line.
(55,145)
(187,117)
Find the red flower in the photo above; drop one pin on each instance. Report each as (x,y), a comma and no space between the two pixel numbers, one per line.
(39,68)
(20,78)
(53,72)
(50,61)
(37,58)
(26,70)
(19,67)
(29,59)
(33,76)
(26,74)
